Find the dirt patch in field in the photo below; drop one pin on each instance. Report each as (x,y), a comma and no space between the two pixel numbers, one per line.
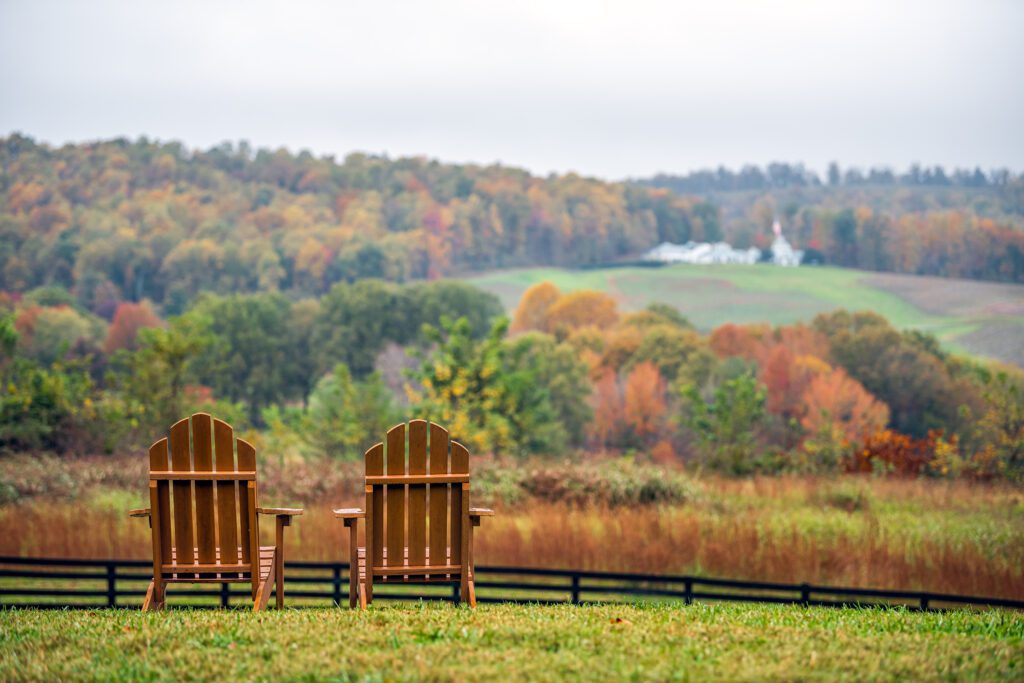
(999,339)
(946,296)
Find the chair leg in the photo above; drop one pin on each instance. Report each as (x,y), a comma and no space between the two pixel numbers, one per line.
(160,595)
(353,588)
(466,592)
(282,521)
(156,597)
(362,596)
(263,592)
(356,595)
(279,585)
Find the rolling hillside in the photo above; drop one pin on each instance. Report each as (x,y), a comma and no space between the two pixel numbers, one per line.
(985,319)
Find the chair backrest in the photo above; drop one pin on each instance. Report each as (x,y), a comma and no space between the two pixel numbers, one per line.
(417,488)
(203,499)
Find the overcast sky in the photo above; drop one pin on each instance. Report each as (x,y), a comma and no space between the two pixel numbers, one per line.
(612,89)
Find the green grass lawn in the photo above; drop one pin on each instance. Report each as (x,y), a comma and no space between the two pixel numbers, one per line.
(976,317)
(440,642)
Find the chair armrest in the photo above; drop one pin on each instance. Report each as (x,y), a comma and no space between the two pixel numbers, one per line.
(141,512)
(280,512)
(476,513)
(350,515)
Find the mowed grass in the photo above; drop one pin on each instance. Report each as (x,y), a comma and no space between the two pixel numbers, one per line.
(507,642)
(990,323)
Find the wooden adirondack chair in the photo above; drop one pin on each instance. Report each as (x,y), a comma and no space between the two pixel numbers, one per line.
(203,482)
(419,526)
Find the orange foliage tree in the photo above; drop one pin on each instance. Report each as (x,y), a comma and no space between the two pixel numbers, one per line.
(737,340)
(783,381)
(608,406)
(835,398)
(645,400)
(128,320)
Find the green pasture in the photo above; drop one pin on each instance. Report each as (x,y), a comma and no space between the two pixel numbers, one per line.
(422,641)
(988,320)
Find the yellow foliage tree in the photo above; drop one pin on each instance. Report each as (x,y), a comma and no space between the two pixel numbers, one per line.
(581,308)
(532,311)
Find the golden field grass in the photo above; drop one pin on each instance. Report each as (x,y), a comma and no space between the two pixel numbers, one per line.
(940,536)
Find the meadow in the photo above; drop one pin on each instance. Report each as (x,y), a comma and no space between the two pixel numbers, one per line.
(983,319)
(914,534)
(513,642)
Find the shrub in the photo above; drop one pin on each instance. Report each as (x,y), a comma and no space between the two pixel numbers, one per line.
(845,495)
(611,483)
(891,452)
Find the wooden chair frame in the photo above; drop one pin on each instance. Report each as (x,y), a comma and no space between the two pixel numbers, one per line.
(211,535)
(437,544)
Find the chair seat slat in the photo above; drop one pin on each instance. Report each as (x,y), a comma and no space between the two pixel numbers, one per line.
(202,476)
(418,479)
(422,569)
(205,568)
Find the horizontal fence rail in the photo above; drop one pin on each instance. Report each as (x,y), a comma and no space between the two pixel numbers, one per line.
(54,583)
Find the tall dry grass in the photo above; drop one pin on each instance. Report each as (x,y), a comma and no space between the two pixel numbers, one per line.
(940,536)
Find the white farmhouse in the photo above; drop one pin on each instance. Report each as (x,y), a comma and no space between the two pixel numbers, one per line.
(702,253)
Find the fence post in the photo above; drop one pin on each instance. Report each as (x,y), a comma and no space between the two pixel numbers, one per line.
(805,594)
(575,589)
(111,584)
(688,590)
(225,595)
(336,583)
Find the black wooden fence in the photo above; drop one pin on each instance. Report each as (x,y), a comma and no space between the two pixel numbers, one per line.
(89,584)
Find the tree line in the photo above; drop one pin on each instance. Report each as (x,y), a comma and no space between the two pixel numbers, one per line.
(782,175)
(126,221)
(569,373)
(131,220)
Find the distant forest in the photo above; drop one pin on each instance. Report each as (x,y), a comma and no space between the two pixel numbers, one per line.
(781,175)
(124,220)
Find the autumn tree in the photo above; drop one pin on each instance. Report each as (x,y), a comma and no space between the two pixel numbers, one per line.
(736,340)
(677,352)
(50,334)
(489,399)
(128,320)
(581,308)
(532,311)
(644,398)
(835,398)
(609,409)
(1002,424)
(901,370)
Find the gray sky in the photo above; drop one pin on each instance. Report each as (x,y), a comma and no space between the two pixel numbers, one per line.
(612,89)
